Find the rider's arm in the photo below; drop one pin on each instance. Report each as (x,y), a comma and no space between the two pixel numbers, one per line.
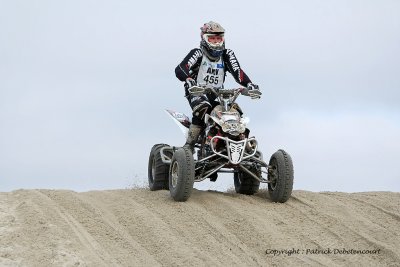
(233,66)
(193,59)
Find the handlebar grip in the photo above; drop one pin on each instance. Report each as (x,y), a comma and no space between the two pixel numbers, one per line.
(196,90)
(254,94)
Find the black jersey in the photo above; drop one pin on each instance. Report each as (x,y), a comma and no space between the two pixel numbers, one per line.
(190,65)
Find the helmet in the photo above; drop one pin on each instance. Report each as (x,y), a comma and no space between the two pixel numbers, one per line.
(212,39)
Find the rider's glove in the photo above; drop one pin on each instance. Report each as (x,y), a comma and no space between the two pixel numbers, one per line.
(254,91)
(252,86)
(190,83)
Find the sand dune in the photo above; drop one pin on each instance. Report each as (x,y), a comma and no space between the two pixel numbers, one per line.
(142,228)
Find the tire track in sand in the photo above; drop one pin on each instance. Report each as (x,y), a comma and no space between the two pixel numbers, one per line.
(143,228)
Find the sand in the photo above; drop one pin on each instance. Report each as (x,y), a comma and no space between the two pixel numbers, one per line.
(137,227)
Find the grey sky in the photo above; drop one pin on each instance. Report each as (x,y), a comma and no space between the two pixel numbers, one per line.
(83,85)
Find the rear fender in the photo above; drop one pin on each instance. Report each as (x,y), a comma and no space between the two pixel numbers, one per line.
(180,119)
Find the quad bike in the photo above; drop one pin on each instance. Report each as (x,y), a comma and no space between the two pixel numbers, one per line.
(224,146)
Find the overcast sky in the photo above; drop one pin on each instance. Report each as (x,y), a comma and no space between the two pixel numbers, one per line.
(83,86)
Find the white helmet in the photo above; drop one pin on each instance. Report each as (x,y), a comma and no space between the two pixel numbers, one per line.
(212,30)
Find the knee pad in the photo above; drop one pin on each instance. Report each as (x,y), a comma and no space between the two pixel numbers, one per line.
(200,106)
(201,110)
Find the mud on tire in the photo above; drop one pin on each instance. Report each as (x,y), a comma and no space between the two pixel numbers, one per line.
(281,176)
(181,174)
(157,169)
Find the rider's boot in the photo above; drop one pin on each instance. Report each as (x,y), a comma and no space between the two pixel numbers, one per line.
(193,135)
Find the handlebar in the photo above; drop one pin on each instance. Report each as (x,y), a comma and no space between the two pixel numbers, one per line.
(200,90)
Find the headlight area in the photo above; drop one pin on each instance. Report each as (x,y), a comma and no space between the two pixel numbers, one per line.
(233,128)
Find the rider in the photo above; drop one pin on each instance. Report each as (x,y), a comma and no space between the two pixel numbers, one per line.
(207,65)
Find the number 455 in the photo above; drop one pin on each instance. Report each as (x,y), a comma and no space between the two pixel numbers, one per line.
(211,79)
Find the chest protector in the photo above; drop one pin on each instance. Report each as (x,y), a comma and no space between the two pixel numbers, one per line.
(211,73)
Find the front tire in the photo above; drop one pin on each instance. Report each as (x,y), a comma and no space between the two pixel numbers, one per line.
(157,169)
(280,175)
(181,174)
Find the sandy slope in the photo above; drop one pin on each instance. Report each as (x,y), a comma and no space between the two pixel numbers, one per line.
(142,228)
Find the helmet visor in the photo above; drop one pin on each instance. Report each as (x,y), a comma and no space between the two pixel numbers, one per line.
(214,40)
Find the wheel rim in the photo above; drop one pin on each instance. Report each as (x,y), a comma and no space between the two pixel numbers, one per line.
(174,174)
(153,169)
(274,174)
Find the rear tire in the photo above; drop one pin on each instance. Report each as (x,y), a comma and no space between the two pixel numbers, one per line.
(281,176)
(157,169)
(181,174)
(246,184)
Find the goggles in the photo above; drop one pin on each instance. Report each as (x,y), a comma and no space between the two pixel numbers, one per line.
(214,39)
